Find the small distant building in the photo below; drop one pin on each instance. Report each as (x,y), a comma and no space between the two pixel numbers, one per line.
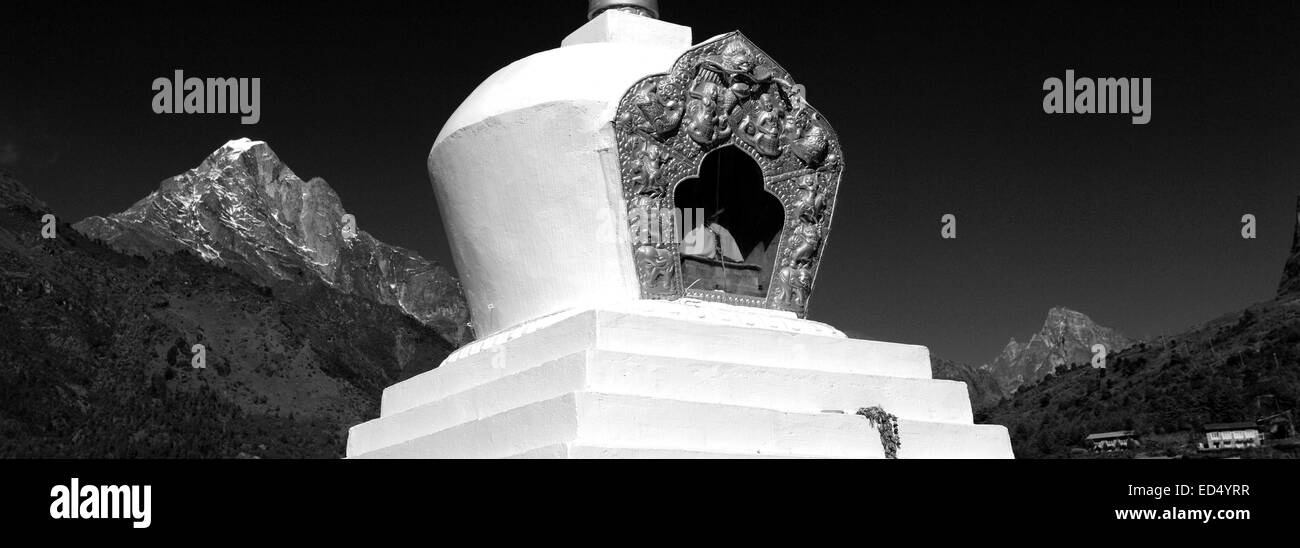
(1113,441)
(1230,435)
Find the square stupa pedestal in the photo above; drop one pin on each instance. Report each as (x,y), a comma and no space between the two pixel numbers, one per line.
(678,380)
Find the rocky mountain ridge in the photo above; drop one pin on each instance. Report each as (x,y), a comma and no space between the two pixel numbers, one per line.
(1067,337)
(244,209)
(98,347)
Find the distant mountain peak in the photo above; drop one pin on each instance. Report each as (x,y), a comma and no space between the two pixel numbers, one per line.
(245,209)
(1064,311)
(241,144)
(1066,337)
(1063,316)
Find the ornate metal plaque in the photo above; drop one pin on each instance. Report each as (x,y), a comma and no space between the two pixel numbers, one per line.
(726,92)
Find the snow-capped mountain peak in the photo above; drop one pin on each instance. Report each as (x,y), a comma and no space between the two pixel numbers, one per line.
(243,208)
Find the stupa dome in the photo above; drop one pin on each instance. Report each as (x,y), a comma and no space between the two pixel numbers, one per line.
(568,179)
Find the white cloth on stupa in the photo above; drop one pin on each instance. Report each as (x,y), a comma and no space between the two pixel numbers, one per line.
(703,241)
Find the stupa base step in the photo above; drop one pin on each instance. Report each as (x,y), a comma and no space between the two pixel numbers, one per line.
(592,424)
(584,386)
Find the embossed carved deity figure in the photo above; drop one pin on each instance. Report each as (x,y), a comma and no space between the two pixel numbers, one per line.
(763,127)
(706,113)
(663,112)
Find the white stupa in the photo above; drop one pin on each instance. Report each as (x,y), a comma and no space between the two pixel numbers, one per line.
(560,181)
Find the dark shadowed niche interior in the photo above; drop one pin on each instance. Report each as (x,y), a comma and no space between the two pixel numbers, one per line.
(730,226)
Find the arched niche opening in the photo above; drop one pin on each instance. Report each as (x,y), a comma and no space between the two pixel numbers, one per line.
(730,226)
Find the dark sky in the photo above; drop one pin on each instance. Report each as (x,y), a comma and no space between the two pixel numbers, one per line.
(939,109)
